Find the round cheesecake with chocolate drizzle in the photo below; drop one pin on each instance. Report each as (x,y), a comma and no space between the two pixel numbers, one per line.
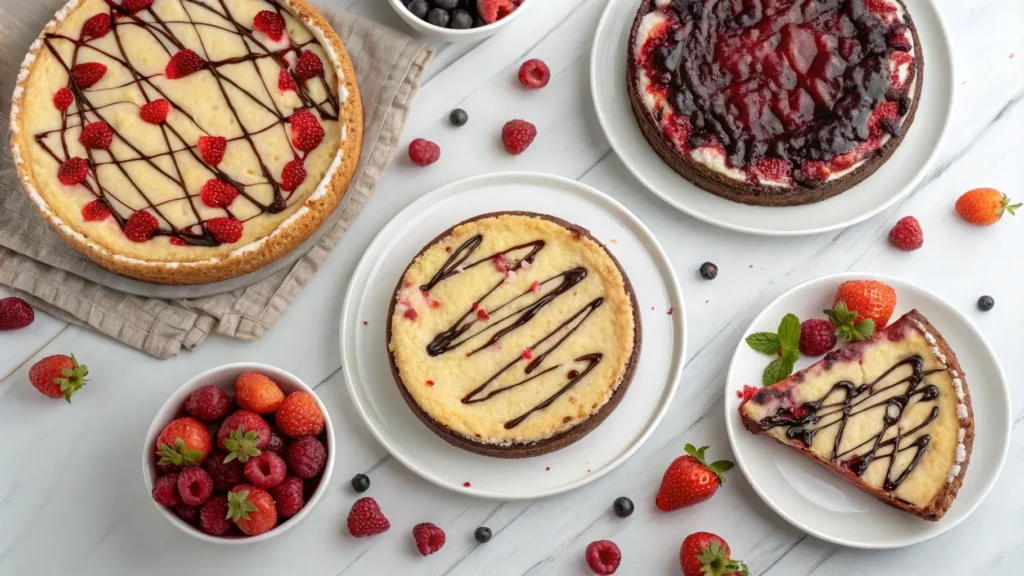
(186,141)
(513,334)
(774,102)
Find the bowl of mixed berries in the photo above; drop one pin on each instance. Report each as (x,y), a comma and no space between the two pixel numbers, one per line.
(458,20)
(239,454)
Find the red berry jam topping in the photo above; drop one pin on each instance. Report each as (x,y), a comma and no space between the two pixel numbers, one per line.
(782,86)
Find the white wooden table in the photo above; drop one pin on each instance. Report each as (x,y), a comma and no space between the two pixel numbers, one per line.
(72,500)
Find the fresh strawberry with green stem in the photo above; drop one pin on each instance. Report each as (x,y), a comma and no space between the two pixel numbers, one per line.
(984,206)
(784,344)
(183,442)
(251,509)
(690,480)
(706,554)
(869,299)
(58,376)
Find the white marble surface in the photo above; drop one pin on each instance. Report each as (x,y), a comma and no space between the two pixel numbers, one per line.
(72,499)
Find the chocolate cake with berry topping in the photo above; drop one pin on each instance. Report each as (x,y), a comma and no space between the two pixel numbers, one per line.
(774,102)
(186,141)
(513,334)
(891,415)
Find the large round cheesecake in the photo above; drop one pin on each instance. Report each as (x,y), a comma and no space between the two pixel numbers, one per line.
(513,334)
(774,102)
(188,141)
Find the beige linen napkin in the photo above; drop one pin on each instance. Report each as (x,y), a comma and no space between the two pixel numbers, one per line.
(33,259)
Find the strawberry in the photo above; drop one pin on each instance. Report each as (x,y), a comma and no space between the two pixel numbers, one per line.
(308,66)
(225,230)
(233,435)
(134,6)
(217,193)
(690,480)
(73,171)
(184,63)
(96,27)
(984,206)
(95,211)
(96,135)
(429,538)
(299,415)
(285,82)
(292,175)
(870,299)
(306,131)
(140,226)
(15,313)
(63,98)
(183,442)
(155,112)
(87,74)
(270,23)
(493,10)
(251,509)
(58,376)
(705,554)
(257,393)
(366,518)
(211,149)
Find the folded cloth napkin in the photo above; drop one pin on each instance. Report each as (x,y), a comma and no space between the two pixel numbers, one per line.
(35,261)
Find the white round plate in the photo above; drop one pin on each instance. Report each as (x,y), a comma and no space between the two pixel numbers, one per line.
(376,396)
(822,504)
(897,178)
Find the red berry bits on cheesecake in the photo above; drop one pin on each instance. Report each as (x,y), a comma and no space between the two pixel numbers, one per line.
(775,103)
(523,327)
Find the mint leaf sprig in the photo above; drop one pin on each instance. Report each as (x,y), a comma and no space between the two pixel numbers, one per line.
(785,344)
(843,319)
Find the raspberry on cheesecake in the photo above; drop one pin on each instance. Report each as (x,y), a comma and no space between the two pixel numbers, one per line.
(775,102)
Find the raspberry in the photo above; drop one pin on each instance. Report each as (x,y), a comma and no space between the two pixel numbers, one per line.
(517,135)
(244,421)
(194,486)
(96,135)
(187,513)
(63,98)
(292,175)
(308,66)
(424,152)
(87,74)
(493,10)
(97,26)
(208,403)
(307,457)
(367,519)
(73,171)
(266,470)
(278,445)
(306,131)
(155,112)
(534,74)
(299,415)
(225,230)
(603,557)
(213,516)
(211,149)
(217,193)
(140,226)
(285,82)
(270,23)
(15,314)
(184,63)
(817,337)
(907,234)
(95,211)
(288,495)
(429,538)
(226,475)
(165,490)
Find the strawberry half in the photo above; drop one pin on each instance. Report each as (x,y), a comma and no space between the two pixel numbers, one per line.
(140,226)
(225,230)
(292,175)
(95,211)
(63,98)
(270,23)
(218,193)
(211,149)
(87,74)
(184,63)
(73,171)
(155,112)
(285,82)
(97,26)
(96,135)
(306,131)
(134,6)
(308,66)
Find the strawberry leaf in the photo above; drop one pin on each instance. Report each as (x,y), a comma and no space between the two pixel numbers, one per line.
(72,378)
(777,370)
(764,342)
(789,331)
(178,455)
(239,506)
(241,445)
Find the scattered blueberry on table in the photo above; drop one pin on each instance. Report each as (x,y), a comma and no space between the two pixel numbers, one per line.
(623,507)
(986,303)
(360,483)
(458,117)
(482,534)
(708,271)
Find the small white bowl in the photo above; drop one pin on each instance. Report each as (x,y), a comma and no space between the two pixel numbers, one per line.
(224,378)
(450,35)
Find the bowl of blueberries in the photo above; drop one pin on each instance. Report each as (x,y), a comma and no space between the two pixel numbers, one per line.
(458,20)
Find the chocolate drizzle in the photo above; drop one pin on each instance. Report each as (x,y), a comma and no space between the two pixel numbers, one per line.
(163,32)
(802,423)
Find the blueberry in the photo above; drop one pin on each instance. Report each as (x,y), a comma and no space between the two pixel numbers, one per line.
(623,507)
(458,117)
(708,271)
(360,482)
(482,534)
(446,4)
(438,18)
(986,303)
(461,20)
(478,22)
(419,8)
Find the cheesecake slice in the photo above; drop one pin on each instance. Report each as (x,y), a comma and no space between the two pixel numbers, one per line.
(891,415)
